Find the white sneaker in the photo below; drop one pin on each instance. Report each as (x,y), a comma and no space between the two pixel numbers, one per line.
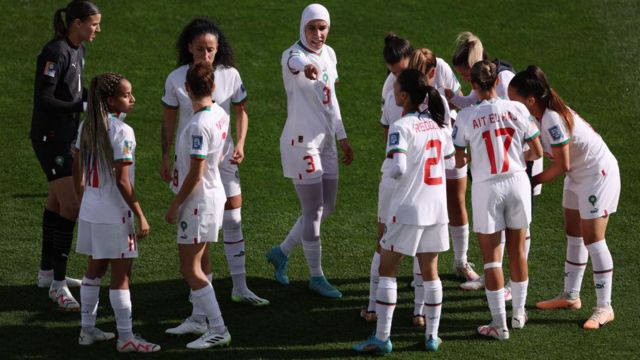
(465,272)
(93,335)
(494,332)
(473,284)
(137,344)
(44,281)
(518,321)
(62,296)
(211,339)
(507,292)
(189,326)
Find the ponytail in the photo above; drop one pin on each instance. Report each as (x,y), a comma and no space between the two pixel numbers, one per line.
(435,106)
(533,82)
(469,50)
(423,60)
(415,83)
(74,10)
(95,146)
(396,49)
(484,73)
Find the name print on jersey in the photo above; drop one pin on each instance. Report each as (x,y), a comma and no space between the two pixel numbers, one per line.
(425,126)
(493,118)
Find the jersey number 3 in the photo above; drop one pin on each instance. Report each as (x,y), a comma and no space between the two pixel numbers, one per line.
(508,134)
(432,161)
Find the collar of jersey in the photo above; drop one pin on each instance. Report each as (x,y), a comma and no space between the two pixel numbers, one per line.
(490,101)
(204,108)
(306,49)
(116,116)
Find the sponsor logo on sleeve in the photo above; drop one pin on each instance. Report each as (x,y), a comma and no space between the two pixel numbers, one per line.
(454,132)
(50,69)
(126,149)
(556,133)
(196,142)
(394,138)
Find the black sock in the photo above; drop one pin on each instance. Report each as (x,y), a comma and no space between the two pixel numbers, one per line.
(49,225)
(61,247)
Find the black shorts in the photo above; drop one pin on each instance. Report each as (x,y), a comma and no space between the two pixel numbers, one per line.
(55,158)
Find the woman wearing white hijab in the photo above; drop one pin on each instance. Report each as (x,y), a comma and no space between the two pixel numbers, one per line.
(308,143)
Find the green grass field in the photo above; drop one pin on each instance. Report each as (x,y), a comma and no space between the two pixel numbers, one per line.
(589,50)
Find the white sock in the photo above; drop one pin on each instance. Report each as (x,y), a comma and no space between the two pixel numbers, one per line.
(503,242)
(58,284)
(374,277)
(497,307)
(121,304)
(602,264)
(527,244)
(460,240)
(198,313)
(386,298)
(574,265)
(236,260)
(206,299)
(89,297)
(519,296)
(293,239)
(418,290)
(313,254)
(433,305)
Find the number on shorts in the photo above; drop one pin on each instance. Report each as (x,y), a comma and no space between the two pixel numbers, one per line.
(508,134)
(175,177)
(432,161)
(327,95)
(311,166)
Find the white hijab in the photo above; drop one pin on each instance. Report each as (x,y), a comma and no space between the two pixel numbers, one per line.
(310,13)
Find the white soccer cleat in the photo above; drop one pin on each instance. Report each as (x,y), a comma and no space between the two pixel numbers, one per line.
(507,292)
(89,337)
(519,321)
(601,315)
(137,344)
(465,272)
(44,281)
(494,332)
(473,285)
(62,296)
(189,326)
(211,339)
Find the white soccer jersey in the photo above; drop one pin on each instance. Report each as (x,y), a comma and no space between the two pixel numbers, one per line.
(313,113)
(496,130)
(229,90)
(588,153)
(461,101)
(445,78)
(420,195)
(202,138)
(101,200)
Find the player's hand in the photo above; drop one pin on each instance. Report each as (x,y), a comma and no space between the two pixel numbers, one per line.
(165,170)
(347,152)
(238,154)
(311,72)
(448,93)
(171,214)
(143,227)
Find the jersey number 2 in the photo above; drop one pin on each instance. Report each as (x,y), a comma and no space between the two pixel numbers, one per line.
(432,161)
(508,134)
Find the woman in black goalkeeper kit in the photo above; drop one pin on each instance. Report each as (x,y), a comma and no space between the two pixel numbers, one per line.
(58,100)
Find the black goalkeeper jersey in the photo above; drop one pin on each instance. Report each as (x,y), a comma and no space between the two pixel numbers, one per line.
(58,94)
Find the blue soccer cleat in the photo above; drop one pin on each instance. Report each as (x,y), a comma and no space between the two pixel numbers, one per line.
(280,262)
(432,343)
(374,346)
(320,285)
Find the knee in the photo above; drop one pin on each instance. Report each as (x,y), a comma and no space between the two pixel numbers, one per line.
(232,225)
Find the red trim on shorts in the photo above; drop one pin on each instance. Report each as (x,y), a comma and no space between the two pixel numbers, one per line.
(604,173)
(385,303)
(300,176)
(393,220)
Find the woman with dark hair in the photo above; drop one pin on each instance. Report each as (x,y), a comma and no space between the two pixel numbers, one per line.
(496,131)
(417,146)
(202,40)
(591,191)
(58,100)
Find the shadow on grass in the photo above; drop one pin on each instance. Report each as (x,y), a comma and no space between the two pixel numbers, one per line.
(29,195)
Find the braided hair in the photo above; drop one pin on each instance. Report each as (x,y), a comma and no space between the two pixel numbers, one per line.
(95,146)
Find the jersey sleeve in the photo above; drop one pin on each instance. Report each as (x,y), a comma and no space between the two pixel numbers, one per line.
(169,95)
(124,144)
(555,129)
(448,150)
(199,140)
(50,63)
(461,101)
(239,95)
(458,133)
(295,60)
(396,141)
(449,78)
(502,88)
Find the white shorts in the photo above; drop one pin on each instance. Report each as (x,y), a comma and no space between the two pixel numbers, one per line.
(412,239)
(385,192)
(596,196)
(197,226)
(535,170)
(300,163)
(501,203)
(229,174)
(452,172)
(107,241)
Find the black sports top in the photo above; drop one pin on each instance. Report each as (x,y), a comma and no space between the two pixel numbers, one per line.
(58,94)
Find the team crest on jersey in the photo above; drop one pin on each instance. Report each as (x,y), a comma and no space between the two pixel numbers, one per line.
(556,133)
(50,69)
(454,132)
(127,147)
(196,142)
(242,89)
(394,138)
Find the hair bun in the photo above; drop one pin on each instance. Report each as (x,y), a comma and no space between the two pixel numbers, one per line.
(390,37)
